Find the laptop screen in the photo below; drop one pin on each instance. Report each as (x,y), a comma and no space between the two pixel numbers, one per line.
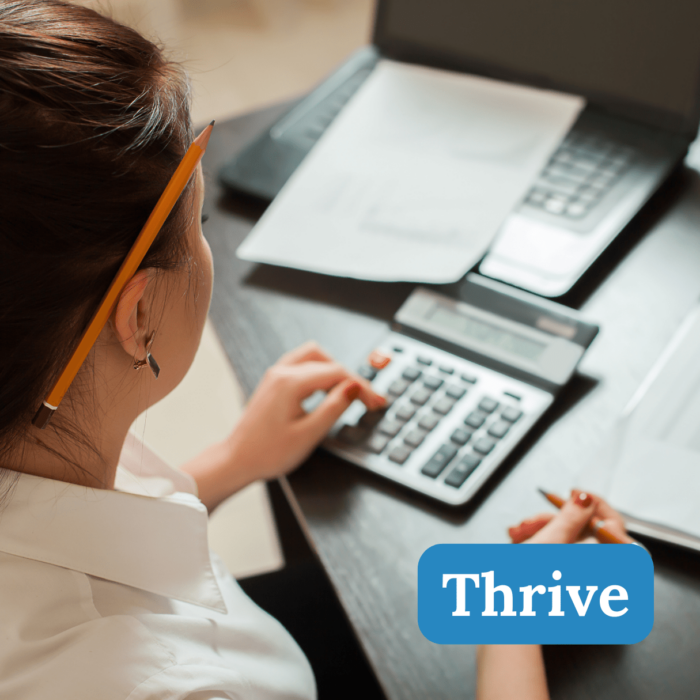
(639,58)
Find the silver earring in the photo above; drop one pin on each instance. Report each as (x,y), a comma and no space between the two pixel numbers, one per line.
(150,360)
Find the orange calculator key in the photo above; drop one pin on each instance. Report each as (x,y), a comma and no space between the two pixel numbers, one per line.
(378,360)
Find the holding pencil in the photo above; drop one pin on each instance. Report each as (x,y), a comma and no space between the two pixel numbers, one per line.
(596,526)
(582,515)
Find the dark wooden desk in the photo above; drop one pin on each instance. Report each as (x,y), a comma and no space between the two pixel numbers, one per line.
(369,534)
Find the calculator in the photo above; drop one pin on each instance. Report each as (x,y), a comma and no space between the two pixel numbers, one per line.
(465,380)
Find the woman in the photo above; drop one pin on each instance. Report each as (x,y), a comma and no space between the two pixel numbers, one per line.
(107,586)
(104,592)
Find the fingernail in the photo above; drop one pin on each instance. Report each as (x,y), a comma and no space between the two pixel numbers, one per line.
(583,500)
(352,391)
(524,531)
(529,529)
(521,533)
(514,531)
(380,401)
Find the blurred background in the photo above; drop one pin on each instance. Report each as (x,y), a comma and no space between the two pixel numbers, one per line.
(241,55)
(246,54)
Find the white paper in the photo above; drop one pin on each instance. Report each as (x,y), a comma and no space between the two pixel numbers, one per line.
(413,178)
(649,467)
(658,482)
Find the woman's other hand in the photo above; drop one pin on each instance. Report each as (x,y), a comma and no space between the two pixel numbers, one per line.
(275,433)
(517,671)
(569,524)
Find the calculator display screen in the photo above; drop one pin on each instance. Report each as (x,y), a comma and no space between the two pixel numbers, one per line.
(487,333)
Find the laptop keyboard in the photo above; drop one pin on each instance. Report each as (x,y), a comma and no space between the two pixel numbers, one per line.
(582,170)
(308,129)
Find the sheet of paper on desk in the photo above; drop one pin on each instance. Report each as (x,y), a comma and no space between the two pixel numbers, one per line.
(649,467)
(653,480)
(413,178)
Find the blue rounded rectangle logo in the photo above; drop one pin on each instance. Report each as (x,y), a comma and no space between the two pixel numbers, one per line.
(535,594)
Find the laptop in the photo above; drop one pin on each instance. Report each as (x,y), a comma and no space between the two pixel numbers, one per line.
(636,63)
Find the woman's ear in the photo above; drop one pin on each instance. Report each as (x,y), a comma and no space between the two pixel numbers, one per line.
(127,322)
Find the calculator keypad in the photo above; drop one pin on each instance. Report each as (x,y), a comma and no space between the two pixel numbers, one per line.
(464,468)
(415,437)
(405,413)
(475,419)
(511,414)
(398,387)
(455,392)
(400,454)
(367,372)
(447,420)
(421,396)
(461,437)
(428,421)
(377,443)
(439,461)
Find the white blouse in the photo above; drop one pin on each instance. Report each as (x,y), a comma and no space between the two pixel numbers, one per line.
(112,595)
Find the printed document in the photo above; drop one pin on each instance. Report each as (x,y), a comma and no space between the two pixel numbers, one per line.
(649,468)
(414,177)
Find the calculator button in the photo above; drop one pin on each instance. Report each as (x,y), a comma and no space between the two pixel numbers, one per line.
(555,205)
(475,419)
(398,386)
(367,372)
(376,443)
(428,421)
(439,461)
(421,396)
(389,399)
(469,378)
(370,418)
(424,360)
(444,406)
(415,437)
(511,414)
(405,413)
(446,370)
(575,210)
(352,434)
(460,436)
(397,348)
(411,374)
(488,405)
(378,360)
(399,454)
(455,392)
(499,429)
(484,445)
(433,383)
(464,468)
(512,396)
(390,427)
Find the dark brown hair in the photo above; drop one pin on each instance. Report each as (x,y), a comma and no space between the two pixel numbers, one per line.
(93,122)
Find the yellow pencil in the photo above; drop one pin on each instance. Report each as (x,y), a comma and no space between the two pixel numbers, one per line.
(138,251)
(596,526)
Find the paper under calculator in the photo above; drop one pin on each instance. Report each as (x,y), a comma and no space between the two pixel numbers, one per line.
(465,381)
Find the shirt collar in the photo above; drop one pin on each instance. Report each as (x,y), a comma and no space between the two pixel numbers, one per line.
(158,545)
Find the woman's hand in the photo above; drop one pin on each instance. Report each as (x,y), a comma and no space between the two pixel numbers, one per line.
(569,524)
(275,434)
(512,671)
